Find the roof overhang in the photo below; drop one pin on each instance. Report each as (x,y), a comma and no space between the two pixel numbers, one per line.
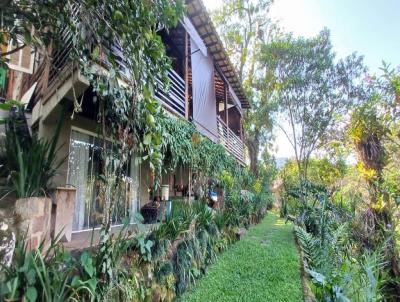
(201,20)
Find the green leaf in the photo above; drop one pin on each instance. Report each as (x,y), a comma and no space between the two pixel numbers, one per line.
(150,120)
(31,276)
(147,139)
(92,283)
(317,277)
(5,106)
(149,244)
(147,93)
(118,16)
(76,280)
(31,294)
(87,263)
(67,256)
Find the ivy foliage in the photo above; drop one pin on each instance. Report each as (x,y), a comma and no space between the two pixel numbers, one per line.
(182,144)
(130,111)
(90,31)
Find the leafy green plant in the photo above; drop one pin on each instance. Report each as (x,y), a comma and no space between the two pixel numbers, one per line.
(50,274)
(186,266)
(31,162)
(11,288)
(175,224)
(203,214)
(219,219)
(335,273)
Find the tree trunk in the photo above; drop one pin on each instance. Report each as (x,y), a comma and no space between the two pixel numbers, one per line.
(253,144)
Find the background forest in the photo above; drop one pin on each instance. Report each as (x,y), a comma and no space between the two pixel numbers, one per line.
(341,187)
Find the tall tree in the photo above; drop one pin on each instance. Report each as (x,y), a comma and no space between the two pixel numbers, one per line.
(244,26)
(313,89)
(374,132)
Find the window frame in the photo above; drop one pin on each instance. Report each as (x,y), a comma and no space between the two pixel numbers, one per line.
(93,134)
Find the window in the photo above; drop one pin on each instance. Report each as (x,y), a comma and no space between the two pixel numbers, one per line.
(84,167)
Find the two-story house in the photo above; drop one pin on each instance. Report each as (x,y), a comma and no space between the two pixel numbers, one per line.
(204,90)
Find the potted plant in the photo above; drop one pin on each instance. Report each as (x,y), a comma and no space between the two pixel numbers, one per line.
(31,163)
(165,192)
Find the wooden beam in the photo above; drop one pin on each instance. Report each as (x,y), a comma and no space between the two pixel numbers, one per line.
(226,109)
(226,116)
(196,13)
(207,34)
(209,45)
(241,127)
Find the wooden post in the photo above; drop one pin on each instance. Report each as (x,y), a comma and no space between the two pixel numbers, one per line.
(225,105)
(46,72)
(10,84)
(242,137)
(226,115)
(186,71)
(241,127)
(190,183)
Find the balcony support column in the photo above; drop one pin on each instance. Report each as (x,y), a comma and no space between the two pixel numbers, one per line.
(46,71)
(226,114)
(186,71)
(241,128)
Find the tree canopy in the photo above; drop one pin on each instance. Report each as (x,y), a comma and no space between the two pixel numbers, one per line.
(244,27)
(313,89)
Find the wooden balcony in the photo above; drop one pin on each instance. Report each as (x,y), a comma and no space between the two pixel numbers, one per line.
(232,143)
(51,75)
(173,98)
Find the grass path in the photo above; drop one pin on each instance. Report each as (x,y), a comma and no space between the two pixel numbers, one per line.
(263,266)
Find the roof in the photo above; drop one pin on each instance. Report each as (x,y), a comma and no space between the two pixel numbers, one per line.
(201,20)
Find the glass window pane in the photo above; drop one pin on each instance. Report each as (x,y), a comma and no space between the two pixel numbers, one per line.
(84,167)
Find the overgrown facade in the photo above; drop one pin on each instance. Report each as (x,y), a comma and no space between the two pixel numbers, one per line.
(204,90)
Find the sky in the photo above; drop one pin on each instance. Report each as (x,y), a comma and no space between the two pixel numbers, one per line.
(369,27)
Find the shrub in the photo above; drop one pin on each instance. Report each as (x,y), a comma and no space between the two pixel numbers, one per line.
(53,275)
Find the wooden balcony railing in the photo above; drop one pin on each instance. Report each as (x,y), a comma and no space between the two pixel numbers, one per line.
(60,56)
(174,97)
(232,143)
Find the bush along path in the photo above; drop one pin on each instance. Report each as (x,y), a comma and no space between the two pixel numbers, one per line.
(263,266)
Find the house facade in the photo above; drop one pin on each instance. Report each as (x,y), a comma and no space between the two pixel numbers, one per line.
(204,89)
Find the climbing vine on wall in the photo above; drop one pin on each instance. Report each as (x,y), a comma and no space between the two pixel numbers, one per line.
(184,145)
(90,31)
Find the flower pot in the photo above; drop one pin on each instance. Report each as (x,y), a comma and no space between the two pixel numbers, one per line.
(165,192)
(34,215)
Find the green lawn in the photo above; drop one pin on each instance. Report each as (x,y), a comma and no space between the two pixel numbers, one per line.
(263,266)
